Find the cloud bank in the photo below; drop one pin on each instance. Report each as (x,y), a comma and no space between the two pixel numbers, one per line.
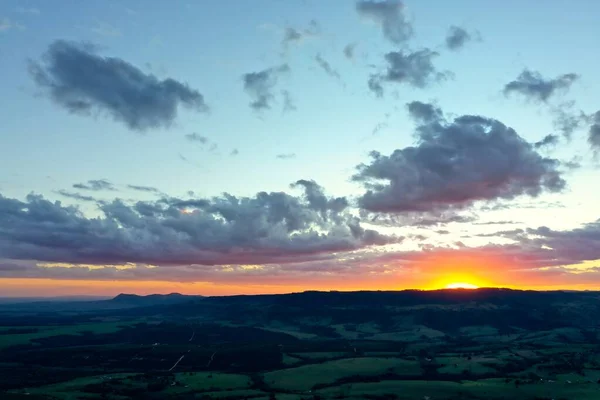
(454,164)
(268,228)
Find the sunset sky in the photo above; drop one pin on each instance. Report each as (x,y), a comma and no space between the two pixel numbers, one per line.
(225,147)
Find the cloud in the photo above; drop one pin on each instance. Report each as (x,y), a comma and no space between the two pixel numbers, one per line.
(202,141)
(195,137)
(268,228)
(594,132)
(286,156)
(288,102)
(325,66)
(293,35)
(416,219)
(533,86)
(547,247)
(455,164)
(548,141)
(389,15)
(81,81)
(497,223)
(457,37)
(566,120)
(76,196)
(349,50)
(424,112)
(379,127)
(95,185)
(6,25)
(415,69)
(375,85)
(146,189)
(234,152)
(259,86)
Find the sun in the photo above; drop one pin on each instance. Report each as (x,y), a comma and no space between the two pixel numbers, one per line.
(461,285)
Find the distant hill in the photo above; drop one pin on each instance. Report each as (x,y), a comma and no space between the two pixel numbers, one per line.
(152,299)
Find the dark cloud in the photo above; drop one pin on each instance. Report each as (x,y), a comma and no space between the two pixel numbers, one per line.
(512,205)
(390,16)
(95,185)
(415,69)
(146,189)
(268,228)
(424,112)
(76,196)
(505,233)
(325,66)
(534,86)
(195,137)
(455,164)
(457,37)
(594,133)
(416,219)
(286,156)
(563,247)
(548,141)
(81,81)
(260,85)
(349,51)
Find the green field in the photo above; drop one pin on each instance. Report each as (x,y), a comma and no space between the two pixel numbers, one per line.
(47,331)
(297,352)
(306,377)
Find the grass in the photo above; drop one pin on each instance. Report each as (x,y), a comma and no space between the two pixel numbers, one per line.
(323,355)
(294,333)
(47,331)
(236,394)
(490,389)
(207,381)
(411,335)
(71,390)
(456,365)
(307,376)
(290,360)
(479,330)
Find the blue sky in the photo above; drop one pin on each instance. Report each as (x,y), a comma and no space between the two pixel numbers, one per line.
(209,46)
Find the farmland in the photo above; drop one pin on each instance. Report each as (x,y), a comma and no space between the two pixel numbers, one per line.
(286,347)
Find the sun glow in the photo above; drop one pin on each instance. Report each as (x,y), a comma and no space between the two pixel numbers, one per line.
(461,285)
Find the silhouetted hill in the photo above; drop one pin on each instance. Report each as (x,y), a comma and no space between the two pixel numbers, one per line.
(152,299)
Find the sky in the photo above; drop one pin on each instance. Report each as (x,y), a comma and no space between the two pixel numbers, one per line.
(227,147)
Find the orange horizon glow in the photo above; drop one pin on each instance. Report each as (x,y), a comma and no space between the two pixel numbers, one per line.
(431,271)
(52,288)
(461,285)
